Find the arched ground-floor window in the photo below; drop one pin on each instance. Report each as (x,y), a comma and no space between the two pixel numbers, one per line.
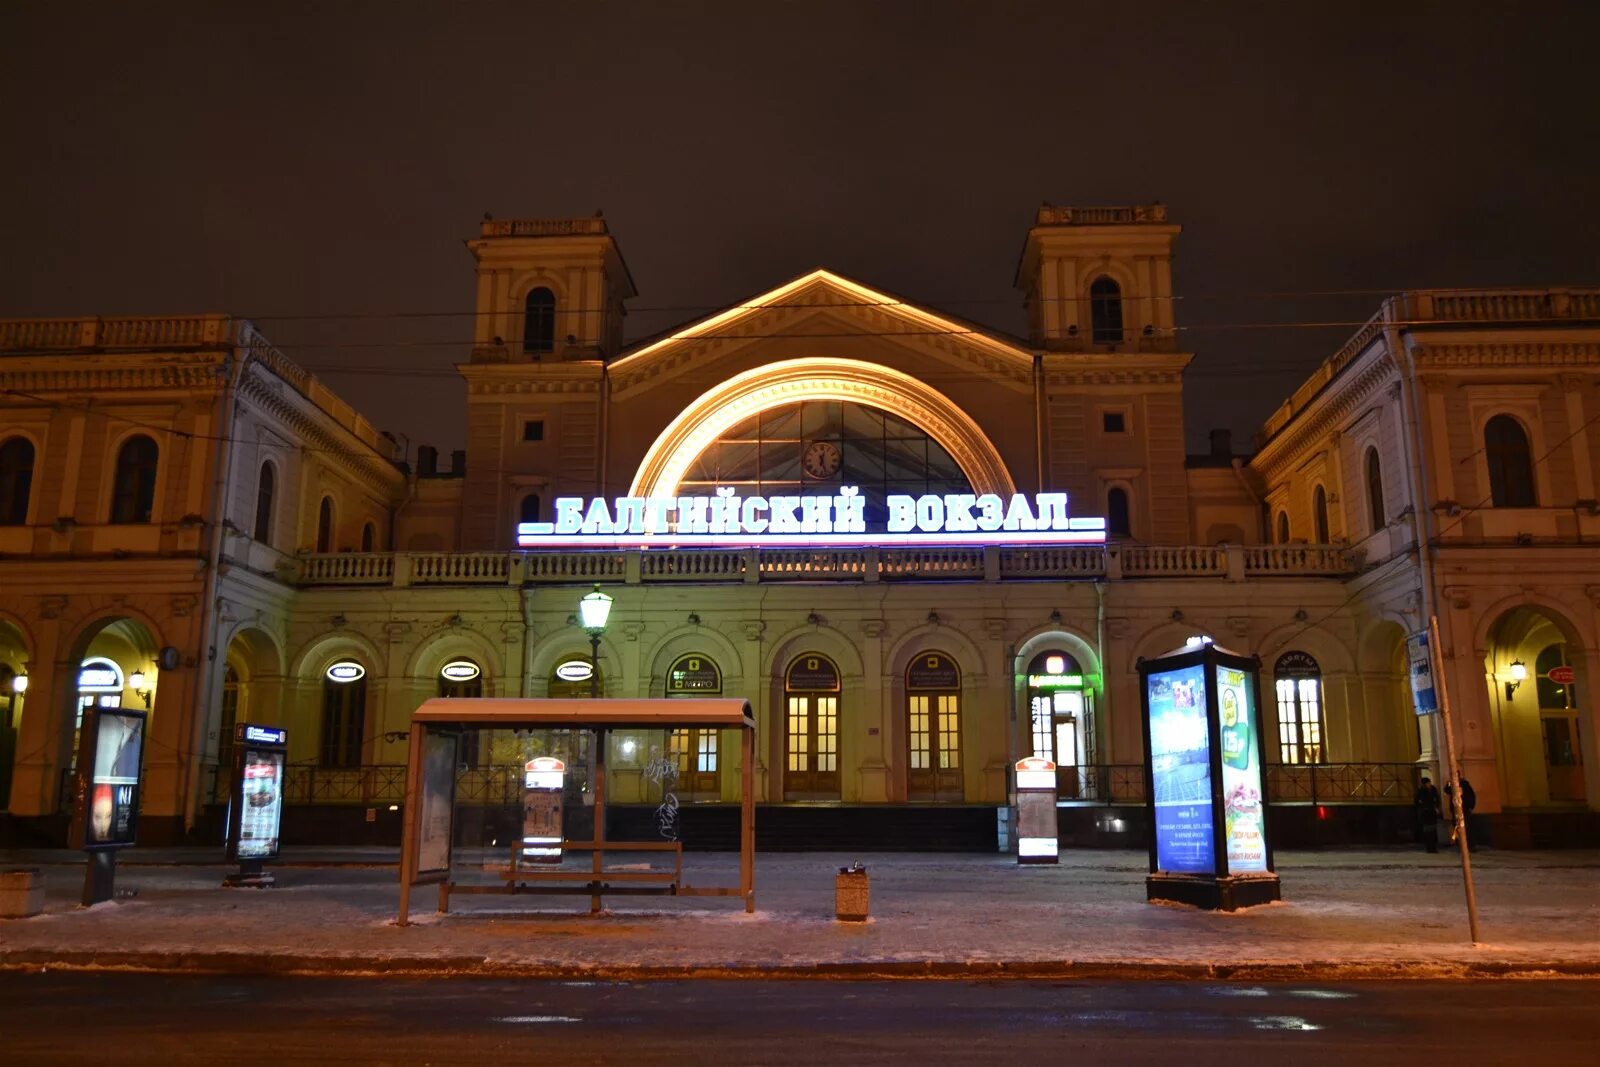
(1062,711)
(344,714)
(811,729)
(933,728)
(1299,688)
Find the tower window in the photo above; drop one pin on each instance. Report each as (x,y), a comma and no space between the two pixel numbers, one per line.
(1113,422)
(1118,523)
(533,430)
(530,508)
(325,525)
(1283,527)
(539,321)
(16,480)
(265,486)
(1375,491)
(1319,512)
(1105,311)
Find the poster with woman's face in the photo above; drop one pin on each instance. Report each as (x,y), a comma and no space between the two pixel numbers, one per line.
(114,785)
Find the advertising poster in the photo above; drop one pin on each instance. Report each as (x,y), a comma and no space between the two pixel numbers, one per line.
(438,797)
(114,783)
(1180,755)
(262,804)
(1244,814)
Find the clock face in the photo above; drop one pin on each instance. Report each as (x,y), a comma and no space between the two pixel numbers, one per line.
(821,459)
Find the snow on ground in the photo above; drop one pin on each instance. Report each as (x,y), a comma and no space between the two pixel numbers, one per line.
(1379,907)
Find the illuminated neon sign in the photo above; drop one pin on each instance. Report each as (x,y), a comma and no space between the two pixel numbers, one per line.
(728,519)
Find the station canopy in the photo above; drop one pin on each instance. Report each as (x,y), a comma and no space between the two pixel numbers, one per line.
(515,713)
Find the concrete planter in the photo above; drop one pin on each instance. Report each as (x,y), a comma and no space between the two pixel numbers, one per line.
(21,892)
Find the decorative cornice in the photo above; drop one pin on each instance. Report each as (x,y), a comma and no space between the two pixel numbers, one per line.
(1284,450)
(369,466)
(1510,354)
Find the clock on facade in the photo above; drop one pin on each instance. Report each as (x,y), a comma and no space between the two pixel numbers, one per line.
(821,459)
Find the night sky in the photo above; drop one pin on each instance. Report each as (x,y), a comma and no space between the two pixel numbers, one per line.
(316,167)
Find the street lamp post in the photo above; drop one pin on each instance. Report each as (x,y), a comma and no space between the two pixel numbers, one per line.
(593,610)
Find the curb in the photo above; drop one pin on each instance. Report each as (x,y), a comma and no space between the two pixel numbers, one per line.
(244,964)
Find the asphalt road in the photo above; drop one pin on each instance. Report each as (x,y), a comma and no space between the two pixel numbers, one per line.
(122,1018)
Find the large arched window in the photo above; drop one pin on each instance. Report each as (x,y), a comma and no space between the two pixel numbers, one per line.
(16,480)
(265,485)
(1299,682)
(325,525)
(1375,512)
(1105,311)
(539,321)
(1505,444)
(1118,521)
(1319,514)
(811,447)
(133,494)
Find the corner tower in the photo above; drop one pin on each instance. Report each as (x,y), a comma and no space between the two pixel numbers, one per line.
(1098,285)
(549,315)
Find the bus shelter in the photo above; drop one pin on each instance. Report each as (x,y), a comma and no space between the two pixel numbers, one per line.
(427,844)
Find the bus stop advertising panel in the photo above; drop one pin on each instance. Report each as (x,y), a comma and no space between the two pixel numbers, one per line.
(257,812)
(1204,782)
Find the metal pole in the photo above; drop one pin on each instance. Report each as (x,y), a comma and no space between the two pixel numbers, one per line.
(597,855)
(1453,769)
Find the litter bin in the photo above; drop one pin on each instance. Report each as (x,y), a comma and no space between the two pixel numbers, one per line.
(21,892)
(851,890)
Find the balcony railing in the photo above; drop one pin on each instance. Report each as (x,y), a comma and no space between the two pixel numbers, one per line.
(1230,563)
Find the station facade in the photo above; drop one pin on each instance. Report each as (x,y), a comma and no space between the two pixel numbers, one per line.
(191,522)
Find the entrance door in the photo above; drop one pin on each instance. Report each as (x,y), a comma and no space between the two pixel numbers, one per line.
(1558,723)
(933,728)
(811,730)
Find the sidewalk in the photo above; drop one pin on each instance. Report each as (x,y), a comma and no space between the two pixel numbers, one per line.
(1344,915)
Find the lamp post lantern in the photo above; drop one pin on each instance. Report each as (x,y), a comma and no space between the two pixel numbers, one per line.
(593,610)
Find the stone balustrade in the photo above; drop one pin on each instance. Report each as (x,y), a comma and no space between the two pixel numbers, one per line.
(1230,563)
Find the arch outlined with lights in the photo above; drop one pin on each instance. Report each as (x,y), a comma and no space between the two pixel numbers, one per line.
(719,409)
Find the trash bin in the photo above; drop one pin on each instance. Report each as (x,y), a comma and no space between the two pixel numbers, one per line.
(851,890)
(21,892)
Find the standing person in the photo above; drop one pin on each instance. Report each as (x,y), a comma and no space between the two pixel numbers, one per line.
(1426,802)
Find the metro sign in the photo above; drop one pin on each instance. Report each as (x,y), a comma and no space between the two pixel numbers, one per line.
(838,521)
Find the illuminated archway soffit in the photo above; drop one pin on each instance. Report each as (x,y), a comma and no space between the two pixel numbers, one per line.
(852,381)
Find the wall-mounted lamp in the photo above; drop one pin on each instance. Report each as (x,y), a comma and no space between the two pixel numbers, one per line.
(814,619)
(1177,614)
(933,618)
(1519,674)
(136,681)
(694,619)
(1055,616)
(19,683)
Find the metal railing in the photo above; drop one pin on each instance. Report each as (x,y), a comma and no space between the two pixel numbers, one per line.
(1097,783)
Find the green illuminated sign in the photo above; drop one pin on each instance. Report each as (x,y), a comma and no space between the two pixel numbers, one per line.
(1056,681)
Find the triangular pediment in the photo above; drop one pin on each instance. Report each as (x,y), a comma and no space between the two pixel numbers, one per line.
(823,307)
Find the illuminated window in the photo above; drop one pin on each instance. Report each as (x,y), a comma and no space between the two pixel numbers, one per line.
(1375,513)
(133,493)
(1299,686)
(1505,444)
(16,480)
(694,749)
(1118,522)
(1319,513)
(325,525)
(933,727)
(1105,311)
(811,734)
(539,321)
